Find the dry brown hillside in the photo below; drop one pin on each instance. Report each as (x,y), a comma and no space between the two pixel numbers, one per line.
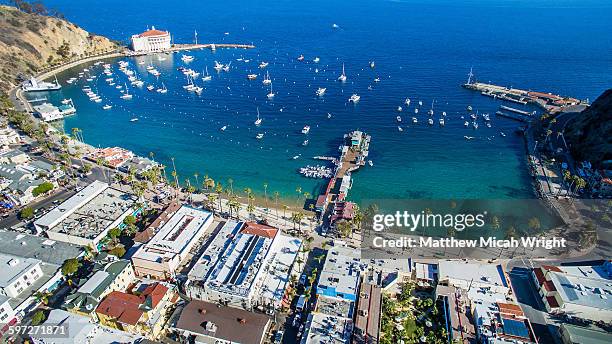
(30,41)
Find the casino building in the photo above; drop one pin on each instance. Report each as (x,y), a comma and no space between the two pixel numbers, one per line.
(151,41)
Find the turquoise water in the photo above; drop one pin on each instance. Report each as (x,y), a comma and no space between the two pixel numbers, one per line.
(423,50)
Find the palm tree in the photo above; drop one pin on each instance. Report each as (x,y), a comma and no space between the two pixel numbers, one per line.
(265,185)
(196,175)
(231,186)
(299,192)
(219,191)
(211,198)
(285,208)
(276,196)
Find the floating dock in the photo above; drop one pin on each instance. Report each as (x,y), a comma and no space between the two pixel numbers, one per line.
(521,112)
(513,116)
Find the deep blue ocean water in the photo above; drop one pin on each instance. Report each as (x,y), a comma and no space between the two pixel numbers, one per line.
(423,50)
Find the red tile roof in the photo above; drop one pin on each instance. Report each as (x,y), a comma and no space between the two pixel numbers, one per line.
(122,307)
(153,33)
(260,230)
(510,308)
(126,308)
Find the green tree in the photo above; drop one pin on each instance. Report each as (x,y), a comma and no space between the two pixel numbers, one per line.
(26,213)
(38,318)
(114,233)
(117,251)
(70,266)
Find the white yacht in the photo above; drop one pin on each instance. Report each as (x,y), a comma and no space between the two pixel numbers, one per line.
(475,125)
(107,107)
(271,94)
(163,89)
(430,121)
(223,128)
(399,128)
(306,129)
(502,134)
(258,120)
(187,58)
(300,58)
(466,123)
(321,91)
(377,79)
(407,101)
(252,76)
(226,68)
(420,103)
(342,76)
(415,120)
(263,65)
(206,76)
(371,64)
(126,95)
(66,101)
(150,88)
(442,121)
(316,60)
(267,80)
(135,119)
(259,136)
(305,143)
(354,98)
(398,118)
(416,110)
(399,109)
(218,66)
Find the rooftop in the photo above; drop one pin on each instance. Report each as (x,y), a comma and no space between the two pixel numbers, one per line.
(472,271)
(81,330)
(89,212)
(31,246)
(226,323)
(588,292)
(328,329)
(341,271)
(176,234)
(585,335)
(14,267)
(129,308)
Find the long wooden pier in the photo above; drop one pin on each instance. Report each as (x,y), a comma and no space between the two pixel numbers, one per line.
(547,101)
(353,154)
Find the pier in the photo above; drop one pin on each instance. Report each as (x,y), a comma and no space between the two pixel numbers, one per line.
(547,101)
(353,154)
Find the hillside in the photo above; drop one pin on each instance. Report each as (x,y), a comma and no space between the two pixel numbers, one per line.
(30,41)
(590,134)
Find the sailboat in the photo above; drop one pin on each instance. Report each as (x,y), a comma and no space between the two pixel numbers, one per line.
(258,121)
(163,89)
(223,128)
(321,91)
(126,95)
(267,80)
(342,76)
(206,76)
(271,94)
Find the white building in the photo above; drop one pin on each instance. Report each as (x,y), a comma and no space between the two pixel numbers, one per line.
(8,136)
(580,291)
(473,275)
(247,265)
(86,217)
(80,329)
(17,274)
(151,40)
(161,257)
(7,313)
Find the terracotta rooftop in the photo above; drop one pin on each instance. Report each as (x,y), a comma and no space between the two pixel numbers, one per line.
(128,308)
(510,308)
(153,33)
(259,229)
